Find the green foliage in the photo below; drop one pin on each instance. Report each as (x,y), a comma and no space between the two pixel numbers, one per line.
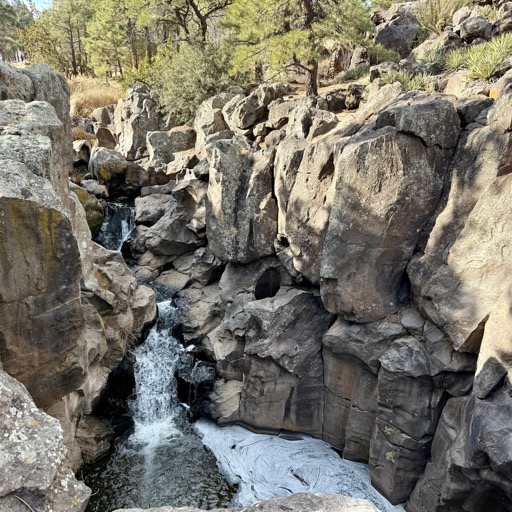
(291,35)
(356,72)
(390,457)
(14,15)
(455,60)
(490,13)
(409,82)
(378,53)
(384,4)
(483,61)
(433,56)
(186,78)
(433,15)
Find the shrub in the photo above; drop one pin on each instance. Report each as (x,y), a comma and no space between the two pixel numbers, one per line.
(483,61)
(490,13)
(90,93)
(433,56)
(409,82)
(186,78)
(455,59)
(433,15)
(356,72)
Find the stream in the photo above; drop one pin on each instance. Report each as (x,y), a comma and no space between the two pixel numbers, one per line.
(165,460)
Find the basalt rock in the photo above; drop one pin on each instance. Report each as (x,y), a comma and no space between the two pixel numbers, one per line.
(241,212)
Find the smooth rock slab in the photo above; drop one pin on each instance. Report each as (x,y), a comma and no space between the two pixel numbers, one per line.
(387,185)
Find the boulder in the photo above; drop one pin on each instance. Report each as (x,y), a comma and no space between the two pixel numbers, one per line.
(281,364)
(134,117)
(446,286)
(241,213)
(399,34)
(374,224)
(305,193)
(150,209)
(14,85)
(163,144)
(209,120)
(119,175)
(475,28)
(40,283)
(294,503)
(93,208)
(32,456)
(471,457)
(200,311)
(33,134)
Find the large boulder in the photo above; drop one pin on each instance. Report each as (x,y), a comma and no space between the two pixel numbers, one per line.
(32,456)
(134,117)
(39,283)
(471,462)
(294,503)
(278,340)
(241,218)
(119,175)
(375,220)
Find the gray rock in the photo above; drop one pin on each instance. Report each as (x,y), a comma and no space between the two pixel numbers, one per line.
(399,34)
(472,444)
(32,455)
(134,117)
(368,246)
(150,209)
(14,85)
(241,213)
(120,176)
(475,28)
(294,503)
(39,282)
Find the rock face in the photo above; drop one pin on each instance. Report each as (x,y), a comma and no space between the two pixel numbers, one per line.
(68,307)
(32,456)
(295,503)
(241,219)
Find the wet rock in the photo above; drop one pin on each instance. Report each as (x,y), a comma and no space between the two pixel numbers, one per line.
(95,437)
(241,213)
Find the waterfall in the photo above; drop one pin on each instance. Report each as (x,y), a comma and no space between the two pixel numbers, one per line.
(116,228)
(156,405)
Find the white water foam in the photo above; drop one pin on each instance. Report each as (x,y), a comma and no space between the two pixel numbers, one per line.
(156,406)
(268,466)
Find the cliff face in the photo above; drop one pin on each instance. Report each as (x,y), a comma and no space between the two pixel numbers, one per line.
(364,264)
(347,271)
(67,306)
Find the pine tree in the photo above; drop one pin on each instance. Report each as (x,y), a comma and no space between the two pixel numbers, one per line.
(290,34)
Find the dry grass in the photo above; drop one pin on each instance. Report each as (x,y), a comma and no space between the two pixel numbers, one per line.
(90,93)
(78,133)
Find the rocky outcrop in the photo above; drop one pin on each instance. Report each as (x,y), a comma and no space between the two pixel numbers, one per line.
(32,473)
(68,307)
(295,503)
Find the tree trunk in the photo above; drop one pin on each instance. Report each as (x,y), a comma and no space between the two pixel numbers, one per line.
(312,79)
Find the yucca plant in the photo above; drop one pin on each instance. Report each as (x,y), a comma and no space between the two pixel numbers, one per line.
(356,72)
(433,15)
(409,82)
(455,60)
(486,60)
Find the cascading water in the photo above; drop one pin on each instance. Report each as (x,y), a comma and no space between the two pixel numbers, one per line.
(116,228)
(162,462)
